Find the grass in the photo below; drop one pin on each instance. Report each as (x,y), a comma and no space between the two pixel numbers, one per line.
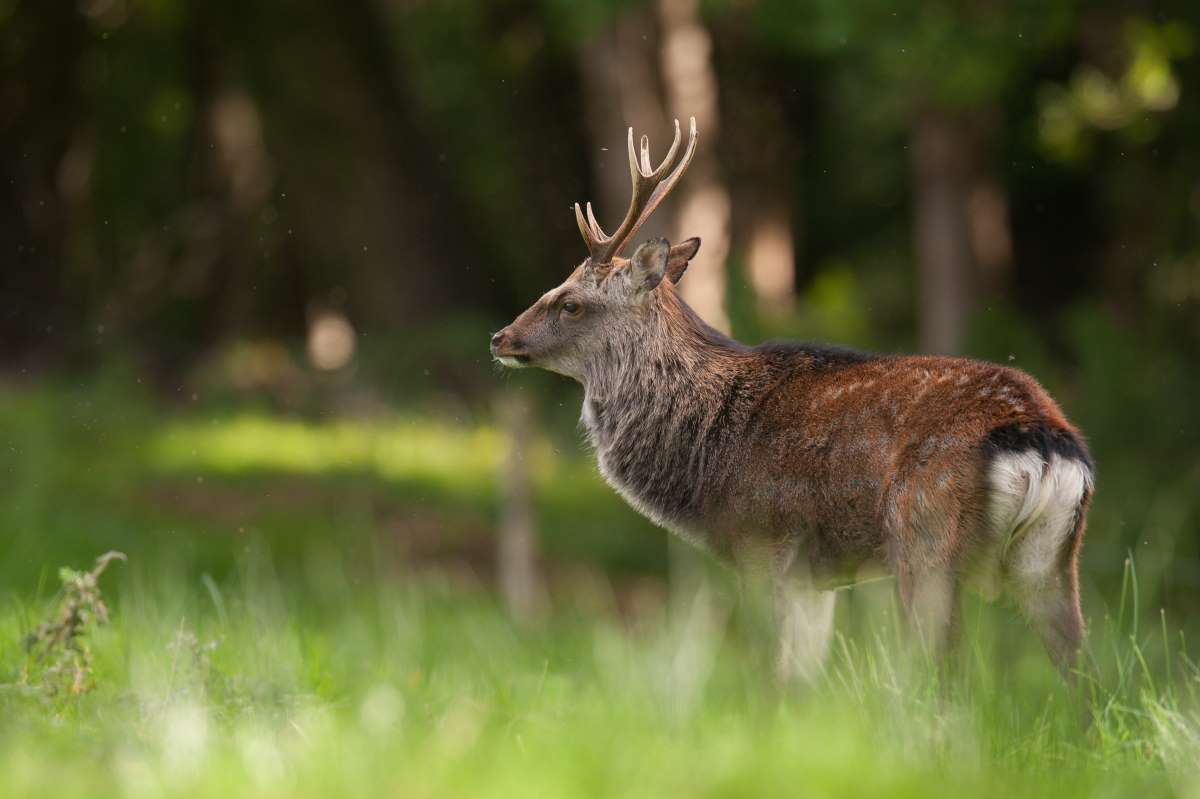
(421,687)
(276,632)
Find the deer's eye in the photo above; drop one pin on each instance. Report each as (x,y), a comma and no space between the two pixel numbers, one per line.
(571,308)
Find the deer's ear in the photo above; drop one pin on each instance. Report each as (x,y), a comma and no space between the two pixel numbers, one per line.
(679,257)
(649,264)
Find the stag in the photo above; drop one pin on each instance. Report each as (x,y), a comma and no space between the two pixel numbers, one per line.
(813,464)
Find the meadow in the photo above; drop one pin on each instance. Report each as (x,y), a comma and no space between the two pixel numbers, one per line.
(307,609)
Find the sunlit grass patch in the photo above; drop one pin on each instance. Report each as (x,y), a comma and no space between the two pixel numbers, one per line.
(398,448)
(463,459)
(430,463)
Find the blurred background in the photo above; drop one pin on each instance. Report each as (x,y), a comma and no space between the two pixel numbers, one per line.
(251,255)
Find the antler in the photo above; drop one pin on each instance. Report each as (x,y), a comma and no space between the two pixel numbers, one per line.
(650,187)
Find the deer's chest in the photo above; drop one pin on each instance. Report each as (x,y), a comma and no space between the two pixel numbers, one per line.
(649,467)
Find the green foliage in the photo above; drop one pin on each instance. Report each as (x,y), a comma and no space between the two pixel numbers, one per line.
(1131,104)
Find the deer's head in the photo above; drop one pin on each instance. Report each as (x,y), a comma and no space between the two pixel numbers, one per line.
(607,300)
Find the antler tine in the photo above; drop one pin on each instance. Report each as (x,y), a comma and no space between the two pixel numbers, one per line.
(584,230)
(670,159)
(596,229)
(588,226)
(650,187)
(635,170)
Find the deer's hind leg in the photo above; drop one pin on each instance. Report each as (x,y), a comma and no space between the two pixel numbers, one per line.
(925,559)
(1051,603)
(1041,564)
(930,597)
(1042,574)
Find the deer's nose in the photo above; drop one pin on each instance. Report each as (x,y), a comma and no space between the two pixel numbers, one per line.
(498,339)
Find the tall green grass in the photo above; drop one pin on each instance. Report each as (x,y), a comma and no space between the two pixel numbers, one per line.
(420,686)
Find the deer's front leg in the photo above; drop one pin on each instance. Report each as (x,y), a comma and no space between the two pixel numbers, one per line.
(804,617)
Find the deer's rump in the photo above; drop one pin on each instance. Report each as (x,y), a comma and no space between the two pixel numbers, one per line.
(912,462)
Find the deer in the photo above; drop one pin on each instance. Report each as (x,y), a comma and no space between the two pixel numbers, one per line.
(813,464)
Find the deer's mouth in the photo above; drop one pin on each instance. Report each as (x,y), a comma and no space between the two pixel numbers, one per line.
(513,360)
(511,357)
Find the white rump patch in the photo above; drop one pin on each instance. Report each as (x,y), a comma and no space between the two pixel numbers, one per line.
(1032,509)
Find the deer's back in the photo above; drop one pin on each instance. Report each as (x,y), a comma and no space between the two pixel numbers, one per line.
(847,451)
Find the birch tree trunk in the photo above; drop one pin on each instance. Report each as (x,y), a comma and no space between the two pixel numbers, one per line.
(702,199)
(702,208)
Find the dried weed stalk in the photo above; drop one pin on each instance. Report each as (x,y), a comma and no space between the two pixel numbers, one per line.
(59,654)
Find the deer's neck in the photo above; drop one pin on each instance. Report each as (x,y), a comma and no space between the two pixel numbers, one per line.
(656,412)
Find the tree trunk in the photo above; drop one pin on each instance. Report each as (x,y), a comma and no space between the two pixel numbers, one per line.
(991,233)
(941,161)
(702,209)
(702,198)
(516,540)
(771,256)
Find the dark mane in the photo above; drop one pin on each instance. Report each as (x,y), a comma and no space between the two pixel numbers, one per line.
(813,356)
